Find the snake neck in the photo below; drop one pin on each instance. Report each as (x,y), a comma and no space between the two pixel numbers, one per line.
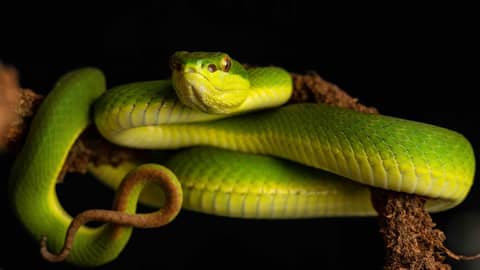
(269,87)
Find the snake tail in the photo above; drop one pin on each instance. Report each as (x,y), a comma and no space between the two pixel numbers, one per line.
(61,118)
(133,182)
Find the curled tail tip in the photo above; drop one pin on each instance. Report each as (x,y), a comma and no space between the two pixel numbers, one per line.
(49,256)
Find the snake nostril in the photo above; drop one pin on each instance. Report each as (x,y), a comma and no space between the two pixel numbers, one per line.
(175,64)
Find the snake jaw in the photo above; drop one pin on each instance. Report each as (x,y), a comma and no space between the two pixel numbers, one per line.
(196,91)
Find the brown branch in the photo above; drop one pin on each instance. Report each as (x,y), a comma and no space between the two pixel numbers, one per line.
(17,105)
(312,88)
(411,240)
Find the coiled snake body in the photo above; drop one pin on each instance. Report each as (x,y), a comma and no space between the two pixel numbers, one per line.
(353,150)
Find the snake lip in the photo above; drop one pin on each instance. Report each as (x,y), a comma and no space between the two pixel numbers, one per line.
(197,98)
(195,93)
(200,90)
(193,72)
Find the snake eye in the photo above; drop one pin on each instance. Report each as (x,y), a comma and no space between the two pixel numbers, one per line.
(212,68)
(226,64)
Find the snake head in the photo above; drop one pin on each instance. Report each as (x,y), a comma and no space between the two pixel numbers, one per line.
(211,82)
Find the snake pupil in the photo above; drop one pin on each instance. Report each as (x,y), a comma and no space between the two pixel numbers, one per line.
(227,64)
(212,68)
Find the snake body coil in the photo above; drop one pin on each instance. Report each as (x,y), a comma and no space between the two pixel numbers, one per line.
(374,150)
(296,161)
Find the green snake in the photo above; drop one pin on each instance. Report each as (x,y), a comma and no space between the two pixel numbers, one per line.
(245,155)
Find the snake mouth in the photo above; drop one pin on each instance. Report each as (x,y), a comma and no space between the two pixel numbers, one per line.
(195,90)
(198,92)
(196,98)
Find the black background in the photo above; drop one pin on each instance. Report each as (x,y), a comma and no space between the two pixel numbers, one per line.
(414,62)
